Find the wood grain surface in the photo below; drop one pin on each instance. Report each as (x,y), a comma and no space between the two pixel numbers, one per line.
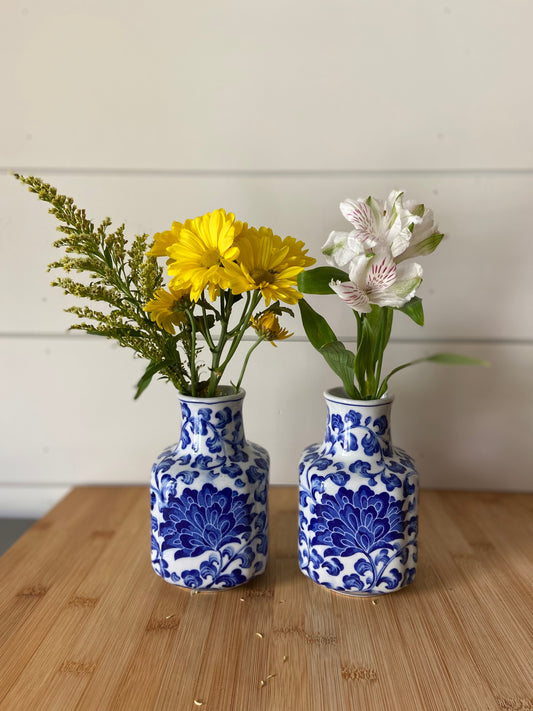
(86,624)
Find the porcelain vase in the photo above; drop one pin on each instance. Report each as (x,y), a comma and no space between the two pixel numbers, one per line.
(358,518)
(209,498)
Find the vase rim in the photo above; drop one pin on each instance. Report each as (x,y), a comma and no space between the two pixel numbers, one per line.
(227,394)
(338,394)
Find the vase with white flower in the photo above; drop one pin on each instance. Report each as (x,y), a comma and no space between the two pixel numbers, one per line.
(358,493)
(224,279)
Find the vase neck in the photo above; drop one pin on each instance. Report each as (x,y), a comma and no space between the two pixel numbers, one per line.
(358,425)
(212,425)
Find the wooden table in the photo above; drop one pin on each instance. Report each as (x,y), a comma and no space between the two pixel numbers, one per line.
(86,624)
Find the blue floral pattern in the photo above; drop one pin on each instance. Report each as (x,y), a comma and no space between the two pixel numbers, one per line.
(358,503)
(209,500)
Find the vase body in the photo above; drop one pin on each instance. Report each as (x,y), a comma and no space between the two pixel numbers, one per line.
(209,499)
(358,502)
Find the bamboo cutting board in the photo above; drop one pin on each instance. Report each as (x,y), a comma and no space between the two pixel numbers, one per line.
(86,625)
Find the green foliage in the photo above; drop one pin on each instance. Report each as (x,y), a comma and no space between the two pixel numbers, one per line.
(118,275)
(316,281)
(360,373)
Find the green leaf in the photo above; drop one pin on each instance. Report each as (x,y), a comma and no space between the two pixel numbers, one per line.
(316,327)
(423,248)
(341,362)
(446,358)
(316,281)
(363,366)
(455,359)
(414,310)
(146,379)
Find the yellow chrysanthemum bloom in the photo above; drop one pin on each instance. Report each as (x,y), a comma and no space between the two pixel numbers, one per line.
(268,327)
(296,254)
(163,240)
(268,264)
(199,254)
(165,309)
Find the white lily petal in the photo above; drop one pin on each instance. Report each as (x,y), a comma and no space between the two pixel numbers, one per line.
(352,295)
(338,249)
(381,275)
(362,218)
(422,248)
(408,279)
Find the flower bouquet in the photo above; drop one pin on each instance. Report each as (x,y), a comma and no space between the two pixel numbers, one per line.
(371,269)
(224,279)
(358,493)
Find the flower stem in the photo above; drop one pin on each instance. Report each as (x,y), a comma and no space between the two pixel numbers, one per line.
(244,323)
(192,354)
(245,363)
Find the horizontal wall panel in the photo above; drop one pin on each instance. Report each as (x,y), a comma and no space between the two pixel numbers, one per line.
(478,285)
(339,85)
(68,415)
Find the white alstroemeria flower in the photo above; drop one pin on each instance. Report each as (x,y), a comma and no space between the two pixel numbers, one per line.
(340,248)
(381,223)
(425,236)
(375,278)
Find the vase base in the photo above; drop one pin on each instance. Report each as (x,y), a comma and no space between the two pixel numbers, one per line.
(360,593)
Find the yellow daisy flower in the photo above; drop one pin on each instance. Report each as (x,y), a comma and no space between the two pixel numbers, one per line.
(200,253)
(297,255)
(269,328)
(165,309)
(265,263)
(163,240)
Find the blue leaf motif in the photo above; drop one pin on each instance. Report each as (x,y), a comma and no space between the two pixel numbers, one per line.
(255,474)
(204,461)
(316,559)
(232,579)
(370,444)
(209,567)
(353,418)
(392,580)
(409,576)
(353,582)
(260,495)
(188,477)
(246,556)
(231,470)
(333,566)
(362,566)
(339,478)
(382,557)
(213,444)
(239,483)
(322,463)
(192,578)
(350,443)
(381,424)
(391,481)
(224,417)
(262,546)
(185,438)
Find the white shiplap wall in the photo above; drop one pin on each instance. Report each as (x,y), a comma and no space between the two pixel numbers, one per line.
(151,113)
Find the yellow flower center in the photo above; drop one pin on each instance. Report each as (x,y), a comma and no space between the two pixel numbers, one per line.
(210,258)
(262,276)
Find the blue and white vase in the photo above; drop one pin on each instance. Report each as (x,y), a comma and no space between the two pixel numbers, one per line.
(209,498)
(358,502)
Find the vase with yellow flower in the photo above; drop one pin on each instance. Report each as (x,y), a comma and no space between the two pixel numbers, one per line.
(224,280)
